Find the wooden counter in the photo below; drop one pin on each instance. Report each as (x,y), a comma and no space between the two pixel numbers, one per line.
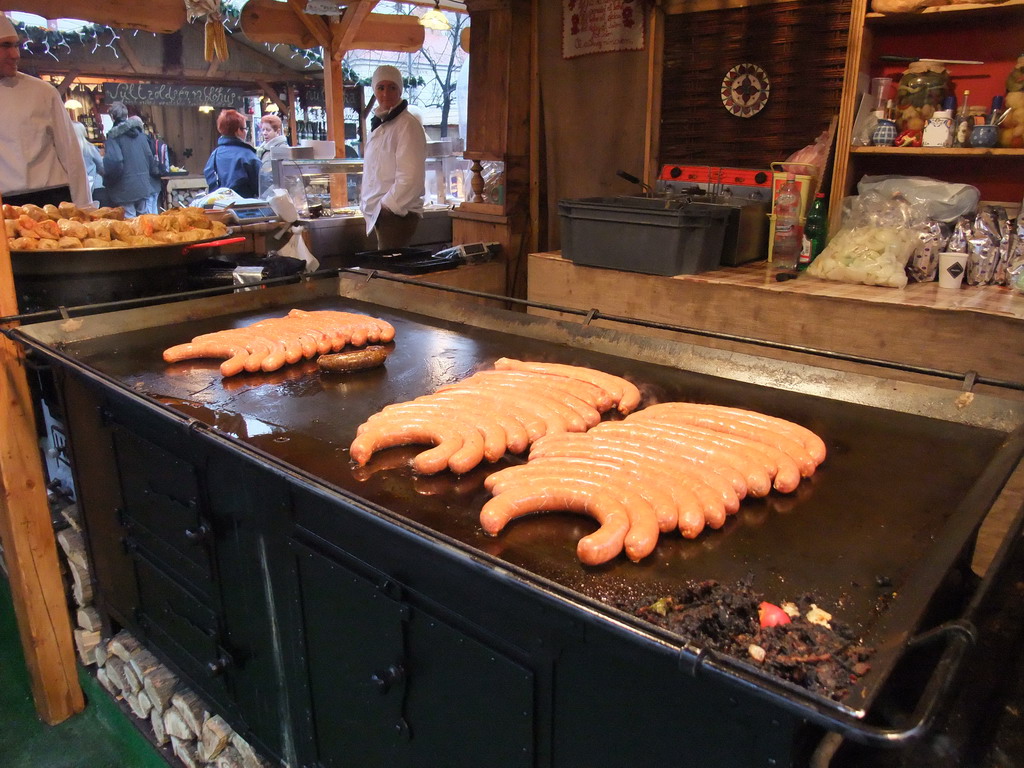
(976,328)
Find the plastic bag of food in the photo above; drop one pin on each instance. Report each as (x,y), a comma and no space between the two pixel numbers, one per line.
(932,237)
(1014,272)
(874,246)
(941,200)
(815,154)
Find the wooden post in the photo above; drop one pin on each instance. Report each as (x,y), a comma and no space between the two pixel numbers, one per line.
(30,550)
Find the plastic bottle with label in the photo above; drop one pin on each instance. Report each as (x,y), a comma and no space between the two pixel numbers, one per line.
(788,239)
(815,232)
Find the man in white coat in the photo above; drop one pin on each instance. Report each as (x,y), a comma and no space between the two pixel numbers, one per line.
(40,160)
(394,165)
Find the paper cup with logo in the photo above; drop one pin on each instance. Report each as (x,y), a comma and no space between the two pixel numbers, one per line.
(951,269)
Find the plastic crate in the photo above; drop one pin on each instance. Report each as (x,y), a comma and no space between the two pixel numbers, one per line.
(642,234)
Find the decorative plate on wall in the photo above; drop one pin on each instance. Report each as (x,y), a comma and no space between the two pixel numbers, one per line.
(745,90)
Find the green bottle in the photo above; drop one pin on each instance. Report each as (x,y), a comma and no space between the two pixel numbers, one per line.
(815,232)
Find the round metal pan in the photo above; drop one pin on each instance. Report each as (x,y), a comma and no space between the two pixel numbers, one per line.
(45,280)
(84,261)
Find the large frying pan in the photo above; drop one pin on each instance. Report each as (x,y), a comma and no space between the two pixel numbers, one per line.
(77,276)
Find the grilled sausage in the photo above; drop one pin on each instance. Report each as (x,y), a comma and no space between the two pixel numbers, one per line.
(623,392)
(643,532)
(464,458)
(494,437)
(655,488)
(446,439)
(587,391)
(353,360)
(713,417)
(596,548)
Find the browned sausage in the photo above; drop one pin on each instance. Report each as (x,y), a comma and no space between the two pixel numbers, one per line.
(598,547)
(625,393)
(354,360)
(643,532)
(446,439)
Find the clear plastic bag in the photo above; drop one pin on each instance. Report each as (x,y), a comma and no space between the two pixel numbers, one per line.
(874,245)
(941,200)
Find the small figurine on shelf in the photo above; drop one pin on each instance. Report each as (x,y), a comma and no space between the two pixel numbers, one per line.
(908,138)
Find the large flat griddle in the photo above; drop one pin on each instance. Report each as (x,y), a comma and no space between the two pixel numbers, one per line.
(909,477)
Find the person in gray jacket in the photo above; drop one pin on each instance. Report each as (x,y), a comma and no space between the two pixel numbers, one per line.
(129,165)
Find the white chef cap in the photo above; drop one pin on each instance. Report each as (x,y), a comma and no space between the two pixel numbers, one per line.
(6,28)
(388,73)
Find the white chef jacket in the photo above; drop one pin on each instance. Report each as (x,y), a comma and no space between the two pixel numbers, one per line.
(394,168)
(38,145)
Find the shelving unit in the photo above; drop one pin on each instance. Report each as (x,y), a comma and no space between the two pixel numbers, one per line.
(989,32)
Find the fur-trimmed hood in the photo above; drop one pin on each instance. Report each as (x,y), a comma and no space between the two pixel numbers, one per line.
(129,128)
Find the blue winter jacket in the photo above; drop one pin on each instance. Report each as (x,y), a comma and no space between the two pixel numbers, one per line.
(129,165)
(233,163)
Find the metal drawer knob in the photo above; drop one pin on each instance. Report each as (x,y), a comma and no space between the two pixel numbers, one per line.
(197,535)
(218,666)
(384,680)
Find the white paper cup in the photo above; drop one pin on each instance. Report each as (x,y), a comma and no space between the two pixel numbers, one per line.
(951,269)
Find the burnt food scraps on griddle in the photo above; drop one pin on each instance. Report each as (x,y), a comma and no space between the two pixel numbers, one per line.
(827,660)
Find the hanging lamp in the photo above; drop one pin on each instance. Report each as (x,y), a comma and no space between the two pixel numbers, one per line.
(434,19)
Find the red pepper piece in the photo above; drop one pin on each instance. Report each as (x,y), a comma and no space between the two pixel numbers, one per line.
(771,615)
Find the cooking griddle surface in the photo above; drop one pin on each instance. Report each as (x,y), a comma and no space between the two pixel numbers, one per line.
(851,535)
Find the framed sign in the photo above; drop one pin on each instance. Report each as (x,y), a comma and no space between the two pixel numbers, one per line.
(600,26)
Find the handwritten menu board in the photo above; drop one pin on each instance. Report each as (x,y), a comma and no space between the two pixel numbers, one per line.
(168,94)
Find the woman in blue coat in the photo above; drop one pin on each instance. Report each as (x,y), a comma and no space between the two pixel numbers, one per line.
(233,162)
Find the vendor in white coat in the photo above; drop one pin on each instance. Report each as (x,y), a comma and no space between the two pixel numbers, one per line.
(40,160)
(394,165)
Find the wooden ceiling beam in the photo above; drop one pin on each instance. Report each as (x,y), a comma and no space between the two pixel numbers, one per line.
(65,84)
(271,93)
(129,53)
(315,24)
(159,17)
(266,21)
(344,31)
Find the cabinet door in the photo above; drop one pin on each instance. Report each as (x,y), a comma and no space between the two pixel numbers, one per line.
(392,685)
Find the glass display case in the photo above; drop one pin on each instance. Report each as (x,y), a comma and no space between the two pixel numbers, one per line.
(447,181)
(323,187)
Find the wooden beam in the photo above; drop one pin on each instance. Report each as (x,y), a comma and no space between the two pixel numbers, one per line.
(129,53)
(343,33)
(159,17)
(314,24)
(30,550)
(334,104)
(293,128)
(267,21)
(271,93)
(65,84)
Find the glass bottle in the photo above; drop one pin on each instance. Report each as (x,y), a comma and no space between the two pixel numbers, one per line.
(815,232)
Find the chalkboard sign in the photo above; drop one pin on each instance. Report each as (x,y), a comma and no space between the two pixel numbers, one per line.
(167,94)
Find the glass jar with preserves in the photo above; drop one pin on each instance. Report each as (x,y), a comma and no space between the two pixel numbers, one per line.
(922,89)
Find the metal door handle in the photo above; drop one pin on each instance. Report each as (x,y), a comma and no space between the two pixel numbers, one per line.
(384,680)
(197,535)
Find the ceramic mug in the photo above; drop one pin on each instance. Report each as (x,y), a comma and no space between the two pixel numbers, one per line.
(984,135)
(884,134)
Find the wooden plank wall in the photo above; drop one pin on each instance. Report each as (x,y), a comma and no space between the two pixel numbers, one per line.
(185,128)
(801,46)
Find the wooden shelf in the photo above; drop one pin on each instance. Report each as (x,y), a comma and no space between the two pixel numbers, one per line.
(939,151)
(937,12)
